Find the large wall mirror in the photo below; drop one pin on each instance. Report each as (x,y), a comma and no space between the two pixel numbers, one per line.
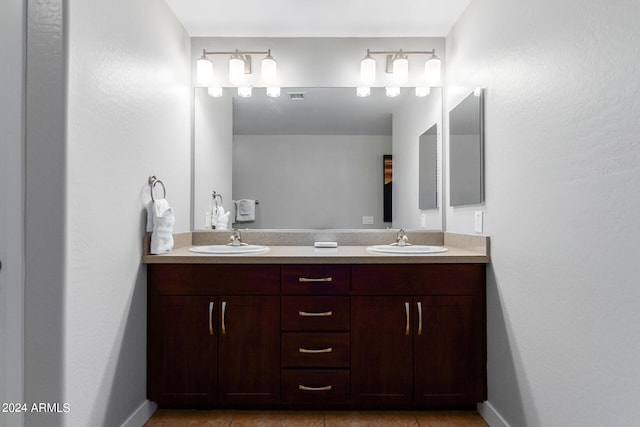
(466,151)
(312,158)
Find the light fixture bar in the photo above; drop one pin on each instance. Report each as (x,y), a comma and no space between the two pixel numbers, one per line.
(401,52)
(397,65)
(239,65)
(237,52)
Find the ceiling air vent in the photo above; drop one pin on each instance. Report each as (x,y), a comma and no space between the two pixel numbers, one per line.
(296,96)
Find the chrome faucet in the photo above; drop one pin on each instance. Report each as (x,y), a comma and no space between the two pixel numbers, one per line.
(401,238)
(236,238)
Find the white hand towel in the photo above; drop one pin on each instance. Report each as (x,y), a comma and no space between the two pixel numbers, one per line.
(150,217)
(223,221)
(246,210)
(163,221)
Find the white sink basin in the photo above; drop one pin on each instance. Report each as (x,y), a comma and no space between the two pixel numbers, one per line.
(230,250)
(412,249)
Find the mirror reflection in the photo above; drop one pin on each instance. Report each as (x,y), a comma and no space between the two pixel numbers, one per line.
(312,158)
(428,173)
(466,151)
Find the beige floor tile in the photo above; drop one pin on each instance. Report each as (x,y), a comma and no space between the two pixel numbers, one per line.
(190,418)
(370,419)
(450,419)
(277,419)
(220,418)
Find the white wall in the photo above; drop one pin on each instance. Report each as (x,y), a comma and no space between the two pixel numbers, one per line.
(562,205)
(128,117)
(311,181)
(122,70)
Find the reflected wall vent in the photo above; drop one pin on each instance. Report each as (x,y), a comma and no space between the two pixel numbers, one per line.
(296,96)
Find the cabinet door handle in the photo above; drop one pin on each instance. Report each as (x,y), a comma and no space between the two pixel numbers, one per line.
(319,279)
(211,318)
(322,350)
(406,312)
(310,314)
(224,312)
(305,388)
(419,318)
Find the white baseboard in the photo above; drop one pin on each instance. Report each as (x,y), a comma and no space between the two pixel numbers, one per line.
(491,415)
(141,415)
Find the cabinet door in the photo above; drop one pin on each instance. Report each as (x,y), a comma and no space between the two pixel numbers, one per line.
(249,350)
(444,345)
(382,351)
(182,350)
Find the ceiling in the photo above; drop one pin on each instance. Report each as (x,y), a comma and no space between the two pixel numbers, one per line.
(318,18)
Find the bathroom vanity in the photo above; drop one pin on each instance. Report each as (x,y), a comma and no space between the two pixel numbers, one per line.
(302,328)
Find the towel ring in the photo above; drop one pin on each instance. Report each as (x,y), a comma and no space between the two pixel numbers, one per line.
(152,183)
(215,198)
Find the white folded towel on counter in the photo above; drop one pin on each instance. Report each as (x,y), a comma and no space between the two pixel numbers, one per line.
(162,233)
(246,210)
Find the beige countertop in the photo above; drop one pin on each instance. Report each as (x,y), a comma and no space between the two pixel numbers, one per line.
(461,249)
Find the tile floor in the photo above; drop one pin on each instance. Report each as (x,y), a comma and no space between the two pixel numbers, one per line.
(193,418)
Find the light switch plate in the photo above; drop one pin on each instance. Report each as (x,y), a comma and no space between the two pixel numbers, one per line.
(367,220)
(478,222)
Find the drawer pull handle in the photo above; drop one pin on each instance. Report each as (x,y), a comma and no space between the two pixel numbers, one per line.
(321,314)
(322,350)
(305,388)
(320,279)
(211,318)
(406,312)
(419,318)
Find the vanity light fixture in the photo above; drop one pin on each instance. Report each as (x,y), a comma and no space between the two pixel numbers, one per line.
(204,69)
(392,91)
(367,70)
(269,70)
(401,68)
(432,70)
(273,91)
(398,66)
(422,91)
(363,91)
(215,91)
(245,91)
(239,66)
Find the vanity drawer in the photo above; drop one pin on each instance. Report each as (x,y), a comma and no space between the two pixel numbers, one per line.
(302,313)
(416,279)
(315,350)
(315,279)
(311,387)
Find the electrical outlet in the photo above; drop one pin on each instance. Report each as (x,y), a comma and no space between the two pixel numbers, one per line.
(367,220)
(478,222)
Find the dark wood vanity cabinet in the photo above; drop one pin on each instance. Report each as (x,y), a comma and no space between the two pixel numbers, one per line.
(418,335)
(362,336)
(213,335)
